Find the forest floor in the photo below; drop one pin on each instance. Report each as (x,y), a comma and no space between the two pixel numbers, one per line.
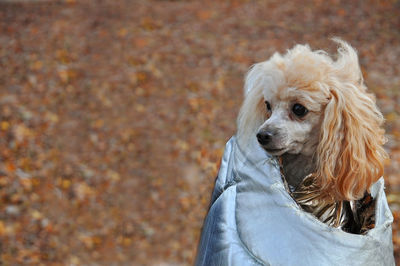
(114,115)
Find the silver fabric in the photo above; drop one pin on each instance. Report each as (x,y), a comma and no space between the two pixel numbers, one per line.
(253,221)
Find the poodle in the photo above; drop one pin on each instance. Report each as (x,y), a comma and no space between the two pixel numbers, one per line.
(315,115)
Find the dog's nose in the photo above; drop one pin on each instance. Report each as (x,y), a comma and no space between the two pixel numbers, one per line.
(264,137)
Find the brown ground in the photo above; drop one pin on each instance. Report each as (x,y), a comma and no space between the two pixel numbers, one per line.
(114,114)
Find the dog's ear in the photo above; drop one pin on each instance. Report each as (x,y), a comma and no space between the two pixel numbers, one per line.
(350,155)
(252,113)
(261,77)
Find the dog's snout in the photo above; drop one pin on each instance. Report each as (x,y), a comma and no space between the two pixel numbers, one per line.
(264,137)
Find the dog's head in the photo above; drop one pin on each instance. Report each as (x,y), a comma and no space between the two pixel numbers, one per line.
(304,102)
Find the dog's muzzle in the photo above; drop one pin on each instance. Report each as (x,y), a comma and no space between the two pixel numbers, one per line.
(264,137)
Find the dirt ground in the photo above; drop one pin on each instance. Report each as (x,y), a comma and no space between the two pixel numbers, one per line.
(114,115)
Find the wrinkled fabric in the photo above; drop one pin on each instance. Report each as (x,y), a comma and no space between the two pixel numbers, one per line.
(253,220)
(355,216)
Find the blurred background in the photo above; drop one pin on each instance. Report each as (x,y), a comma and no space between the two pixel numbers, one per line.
(114,115)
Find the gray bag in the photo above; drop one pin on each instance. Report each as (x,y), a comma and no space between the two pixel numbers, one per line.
(254,221)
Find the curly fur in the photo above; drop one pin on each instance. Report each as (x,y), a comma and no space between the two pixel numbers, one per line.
(342,132)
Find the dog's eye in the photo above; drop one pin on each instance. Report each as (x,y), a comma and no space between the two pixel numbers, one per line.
(299,110)
(268,105)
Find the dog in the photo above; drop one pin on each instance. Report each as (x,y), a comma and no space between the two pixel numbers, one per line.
(314,113)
